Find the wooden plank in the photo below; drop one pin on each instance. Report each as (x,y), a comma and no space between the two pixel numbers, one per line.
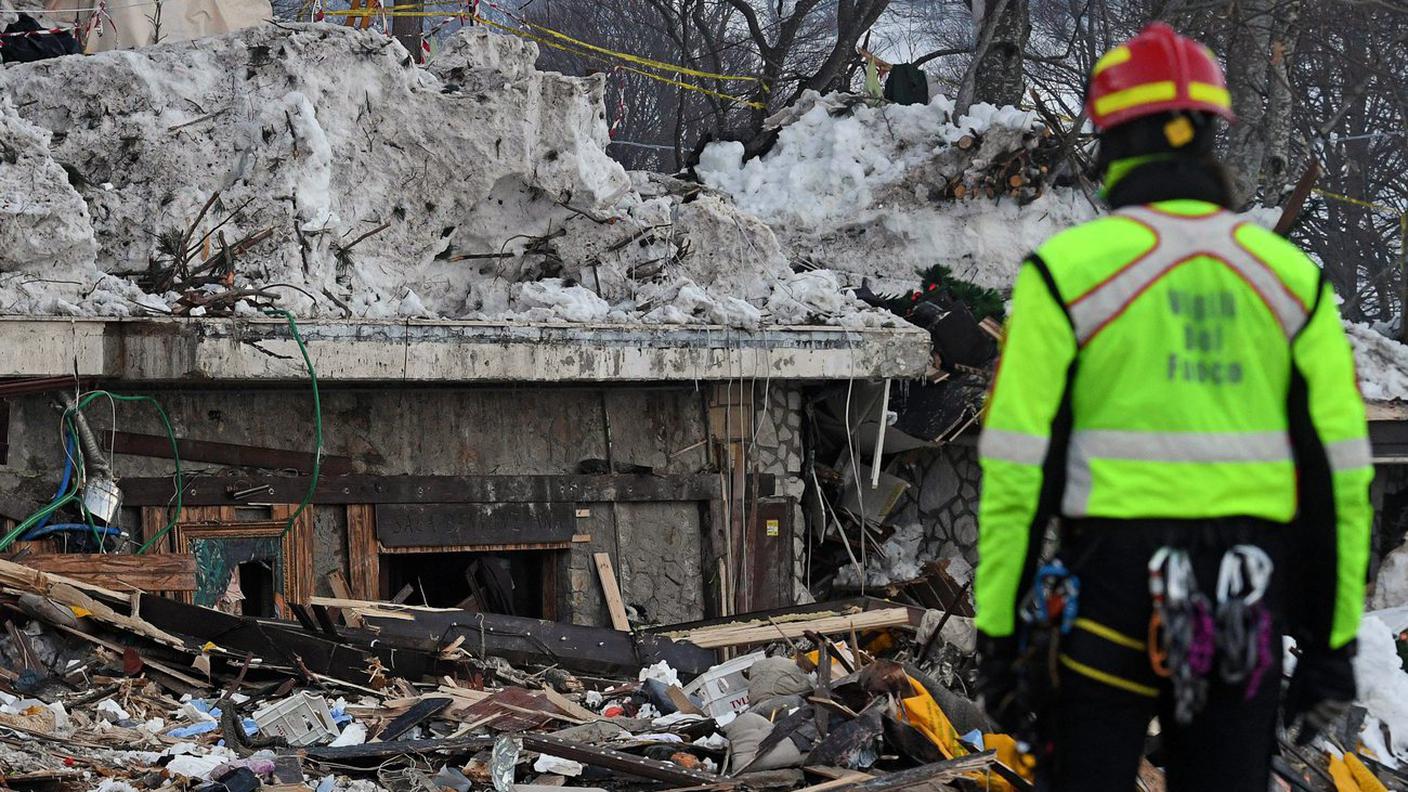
(440,524)
(476,548)
(363,488)
(363,558)
(920,777)
(156,572)
(338,584)
(751,632)
(612,592)
(386,750)
(616,760)
(159,446)
(407,720)
(591,650)
(845,781)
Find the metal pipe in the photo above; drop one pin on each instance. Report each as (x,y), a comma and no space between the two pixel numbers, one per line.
(880,436)
(92,452)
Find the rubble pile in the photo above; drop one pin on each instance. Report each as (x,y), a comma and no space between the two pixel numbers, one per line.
(317,167)
(113,691)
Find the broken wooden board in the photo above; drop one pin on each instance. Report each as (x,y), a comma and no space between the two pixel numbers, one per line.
(157,572)
(387,750)
(630,764)
(159,446)
(407,720)
(517,639)
(919,777)
(611,592)
(70,591)
(512,709)
(744,633)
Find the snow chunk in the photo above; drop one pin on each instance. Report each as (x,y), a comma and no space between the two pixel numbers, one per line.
(571,302)
(1382,363)
(1383,684)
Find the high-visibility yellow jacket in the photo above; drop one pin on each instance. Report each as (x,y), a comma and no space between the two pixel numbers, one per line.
(1172,361)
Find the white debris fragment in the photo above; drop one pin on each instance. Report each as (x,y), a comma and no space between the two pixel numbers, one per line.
(195,766)
(113,711)
(353,733)
(660,672)
(559,766)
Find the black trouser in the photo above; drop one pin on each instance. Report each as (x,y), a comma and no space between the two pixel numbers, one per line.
(1102,711)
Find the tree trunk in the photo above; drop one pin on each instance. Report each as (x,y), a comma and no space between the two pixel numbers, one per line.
(1276,169)
(999,78)
(1248,61)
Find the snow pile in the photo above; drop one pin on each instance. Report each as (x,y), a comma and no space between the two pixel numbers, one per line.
(44,224)
(1382,363)
(347,181)
(1383,689)
(867,190)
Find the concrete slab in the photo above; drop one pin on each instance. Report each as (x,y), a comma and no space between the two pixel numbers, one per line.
(243,349)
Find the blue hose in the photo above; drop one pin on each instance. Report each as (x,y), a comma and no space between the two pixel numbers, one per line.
(63,485)
(38,532)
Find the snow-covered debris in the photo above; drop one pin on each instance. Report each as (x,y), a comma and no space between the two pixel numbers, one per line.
(876,191)
(1382,363)
(1383,685)
(44,225)
(347,181)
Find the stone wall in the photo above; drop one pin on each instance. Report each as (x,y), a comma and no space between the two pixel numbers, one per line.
(943,499)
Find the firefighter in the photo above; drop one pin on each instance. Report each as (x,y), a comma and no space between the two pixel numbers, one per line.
(1176,388)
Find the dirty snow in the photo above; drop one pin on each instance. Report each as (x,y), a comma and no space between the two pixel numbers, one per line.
(850,187)
(1382,363)
(1383,684)
(476,187)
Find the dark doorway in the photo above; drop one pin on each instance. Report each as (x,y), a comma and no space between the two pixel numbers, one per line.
(513,583)
(257,585)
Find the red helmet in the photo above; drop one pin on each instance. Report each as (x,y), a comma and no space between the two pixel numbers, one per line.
(1155,72)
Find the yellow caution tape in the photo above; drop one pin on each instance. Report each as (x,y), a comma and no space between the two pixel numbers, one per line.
(659,78)
(397,11)
(1357,202)
(648,62)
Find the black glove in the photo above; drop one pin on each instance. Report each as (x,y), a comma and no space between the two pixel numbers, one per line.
(998,688)
(1321,690)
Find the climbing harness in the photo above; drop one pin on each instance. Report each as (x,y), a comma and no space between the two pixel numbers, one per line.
(1243,620)
(1182,641)
(1048,612)
(1054,599)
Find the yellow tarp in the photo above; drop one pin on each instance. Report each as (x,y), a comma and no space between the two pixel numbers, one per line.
(1350,775)
(923,713)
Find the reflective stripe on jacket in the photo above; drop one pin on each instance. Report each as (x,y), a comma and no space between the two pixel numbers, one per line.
(1173,361)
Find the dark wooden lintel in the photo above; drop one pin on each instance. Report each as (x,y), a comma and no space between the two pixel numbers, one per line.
(372,489)
(159,446)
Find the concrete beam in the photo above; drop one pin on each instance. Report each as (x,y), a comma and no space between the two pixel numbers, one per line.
(262,350)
